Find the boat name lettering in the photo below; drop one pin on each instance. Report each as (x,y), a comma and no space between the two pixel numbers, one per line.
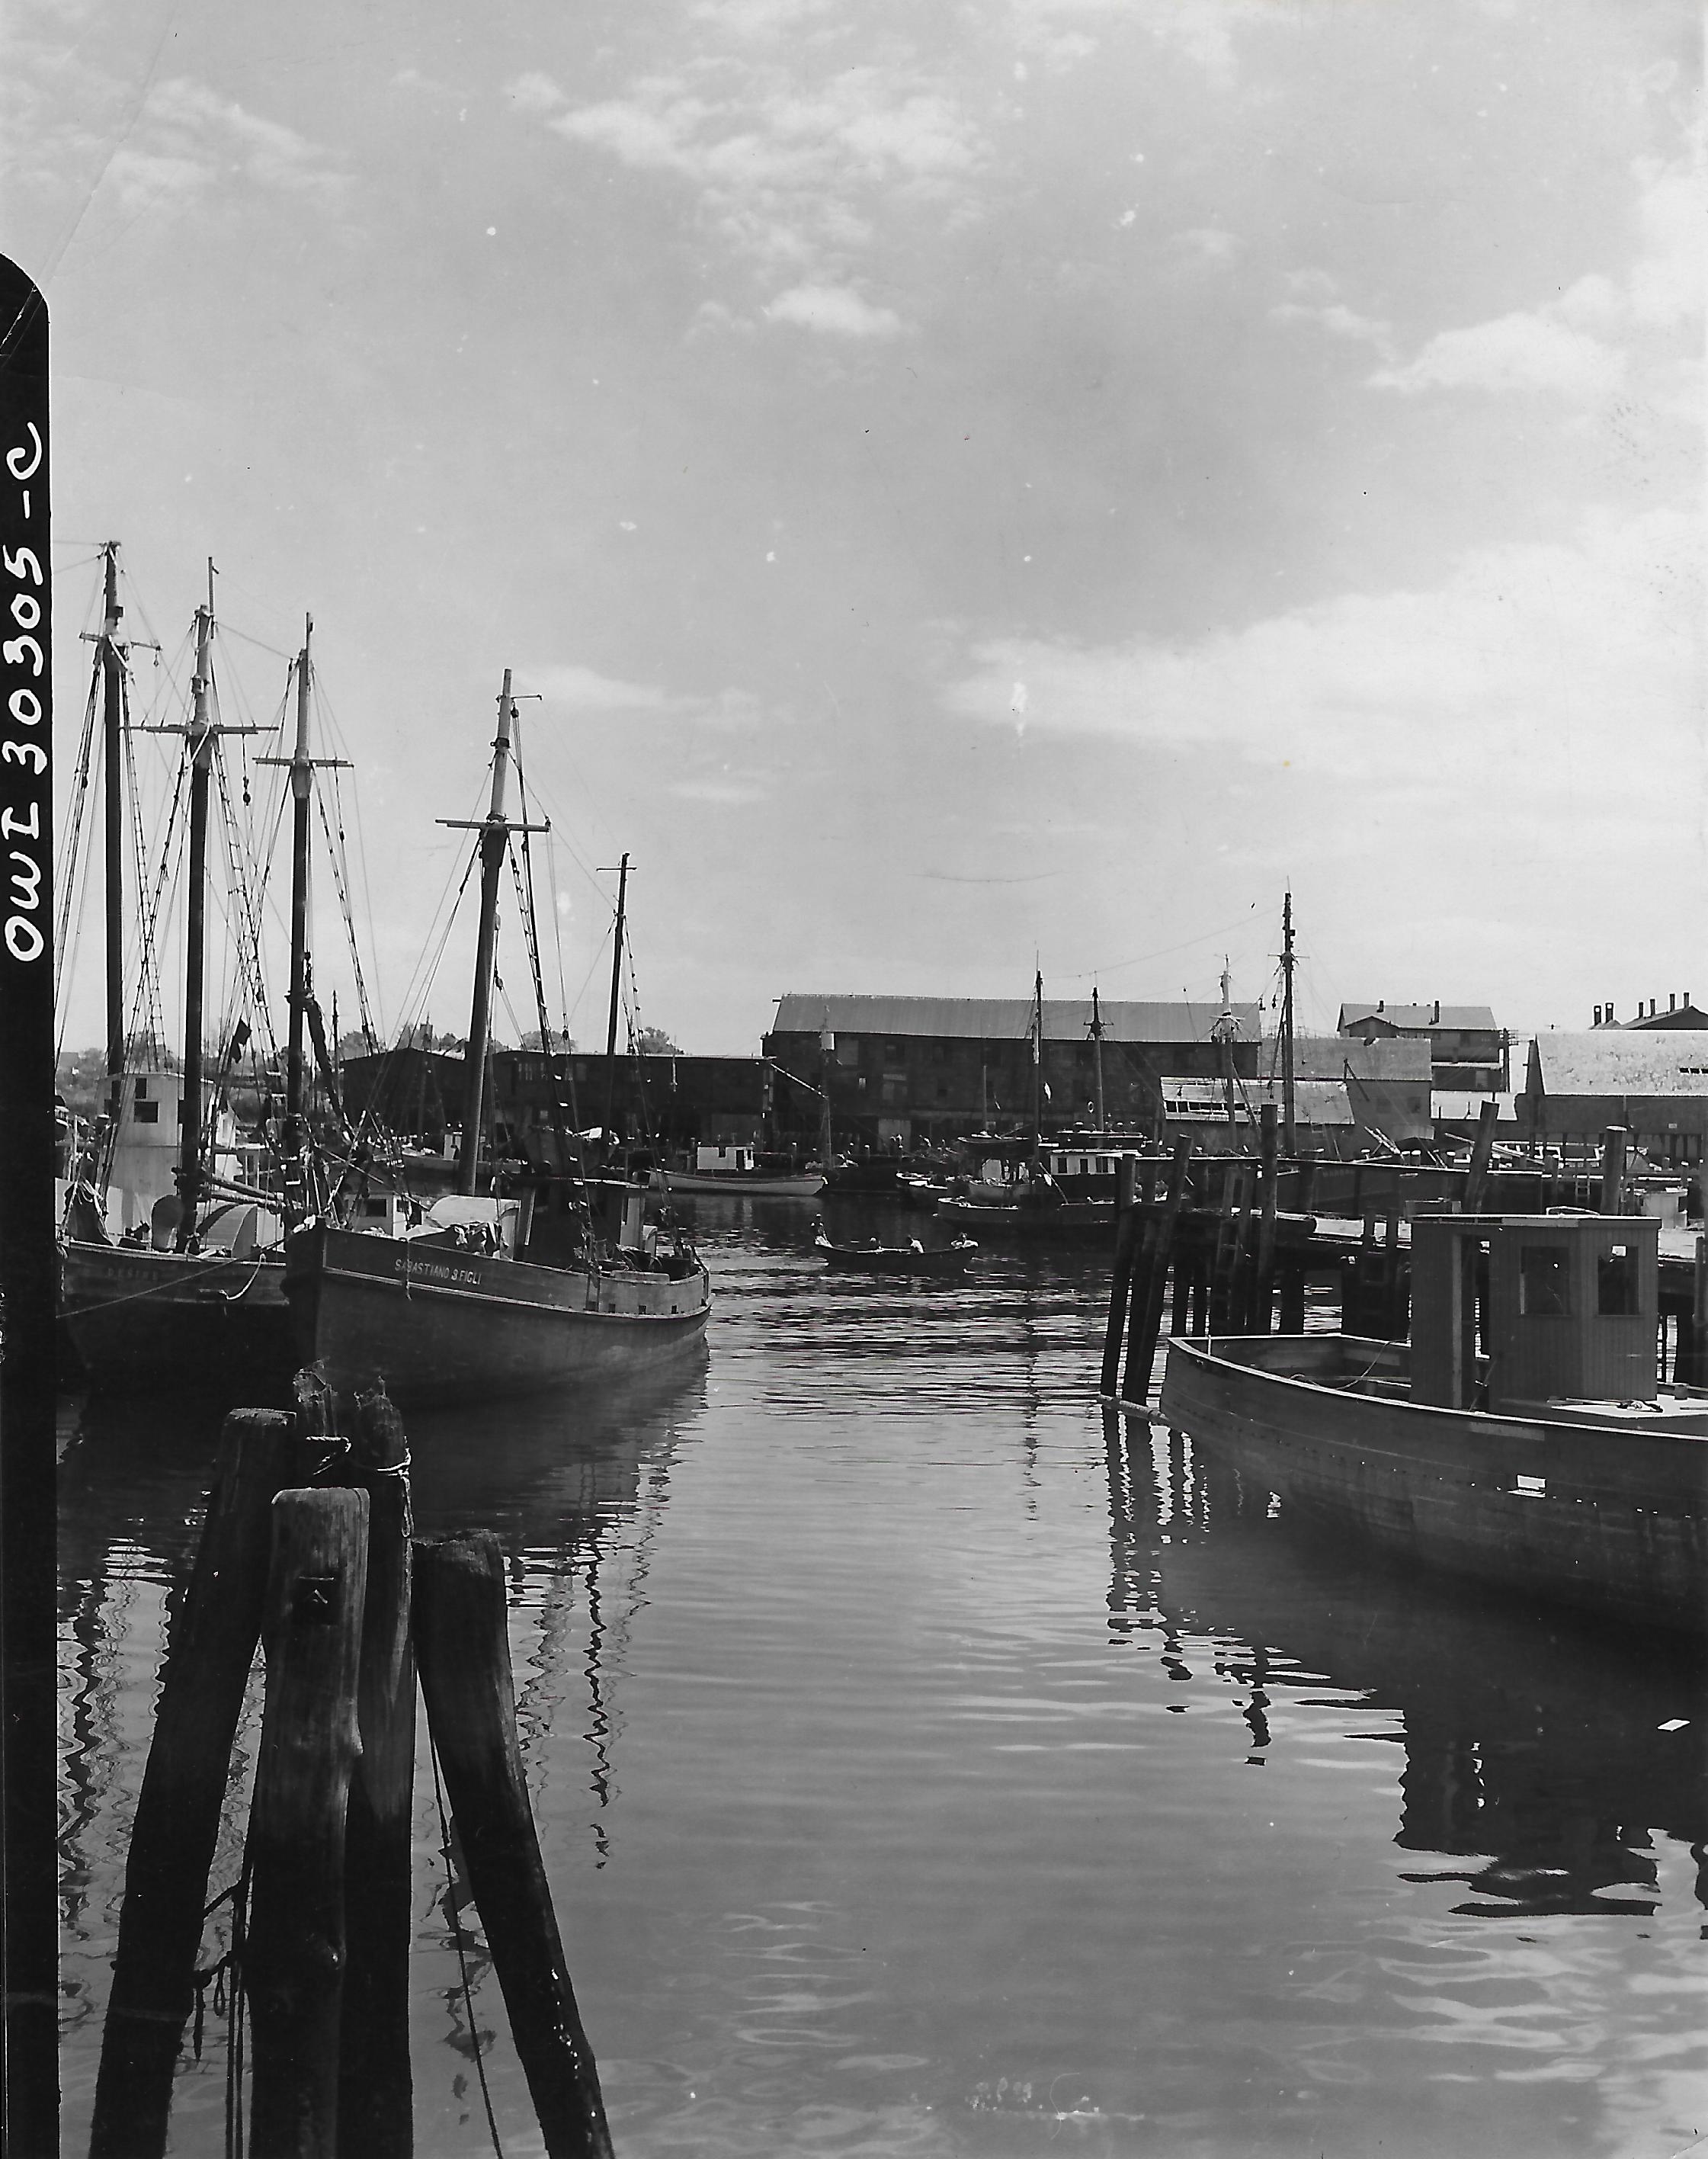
(434,1271)
(26,607)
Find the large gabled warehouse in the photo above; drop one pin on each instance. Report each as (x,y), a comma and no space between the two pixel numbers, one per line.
(1654,1083)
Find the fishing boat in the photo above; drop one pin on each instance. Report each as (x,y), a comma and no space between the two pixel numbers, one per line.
(171,1255)
(743,1171)
(913,1258)
(1554,1464)
(449,1307)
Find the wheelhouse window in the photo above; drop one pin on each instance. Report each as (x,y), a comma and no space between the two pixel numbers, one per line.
(1616,1281)
(1544,1281)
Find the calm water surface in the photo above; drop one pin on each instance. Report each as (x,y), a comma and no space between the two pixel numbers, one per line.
(924,1764)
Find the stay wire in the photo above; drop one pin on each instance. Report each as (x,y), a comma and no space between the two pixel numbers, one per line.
(457,1936)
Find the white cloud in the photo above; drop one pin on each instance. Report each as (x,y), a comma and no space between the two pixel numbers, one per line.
(1585,345)
(1533,669)
(835,309)
(799,172)
(535,93)
(1513,352)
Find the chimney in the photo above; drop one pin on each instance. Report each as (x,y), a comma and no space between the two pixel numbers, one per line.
(1436,1020)
(1380,1002)
(1651,1007)
(1672,1002)
(1598,1016)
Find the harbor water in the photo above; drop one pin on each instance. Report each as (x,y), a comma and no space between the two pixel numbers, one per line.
(927,1760)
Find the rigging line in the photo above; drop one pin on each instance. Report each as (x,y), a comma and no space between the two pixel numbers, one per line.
(1113,966)
(558,936)
(84,774)
(455,1917)
(341,881)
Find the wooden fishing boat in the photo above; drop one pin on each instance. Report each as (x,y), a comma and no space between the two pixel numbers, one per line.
(448,1308)
(870,1257)
(1556,1464)
(741,1172)
(189,1293)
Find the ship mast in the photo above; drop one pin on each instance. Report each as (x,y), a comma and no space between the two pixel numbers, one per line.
(1290,1138)
(616,992)
(495,830)
(1037,1062)
(110,659)
(302,766)
(1096,1032)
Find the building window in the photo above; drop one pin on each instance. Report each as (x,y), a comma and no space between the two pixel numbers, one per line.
(1545,1275)
(1616,1281)
(847,1050)
(148,1113)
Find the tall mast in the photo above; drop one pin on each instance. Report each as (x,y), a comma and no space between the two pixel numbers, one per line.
(201,761)
(616,988)
(1097,1057)
(302,785)
(110,658)
(1037,1062)
(1224,1027)
(494,843)
(1290,1138)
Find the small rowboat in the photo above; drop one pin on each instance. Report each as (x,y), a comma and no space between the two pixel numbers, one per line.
(911,1258)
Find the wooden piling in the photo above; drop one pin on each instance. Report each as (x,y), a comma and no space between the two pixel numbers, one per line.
(1260,1317)
(1482,1152)
(293,1962)
(1141,1343)
(177,1821)
(1241,1258)
(463,1651)
(1292,1293)
(375,2088)
(1614,1142)
(1126,1224)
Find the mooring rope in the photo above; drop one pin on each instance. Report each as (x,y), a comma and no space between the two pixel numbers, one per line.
(457,1936)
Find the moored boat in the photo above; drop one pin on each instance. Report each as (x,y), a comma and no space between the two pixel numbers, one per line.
(1555,1465)
(914,1258)
(447,1308)
(741,1172)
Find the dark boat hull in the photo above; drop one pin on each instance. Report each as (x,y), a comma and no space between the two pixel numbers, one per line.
(142,1321)
(1072,1222)
(895,1260)
(439,1325)
(1612,1518)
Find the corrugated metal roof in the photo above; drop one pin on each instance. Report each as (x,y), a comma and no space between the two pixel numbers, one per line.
(1611,1061)
(1451,1016)
(1006,1019)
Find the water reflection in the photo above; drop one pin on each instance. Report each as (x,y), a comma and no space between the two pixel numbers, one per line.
(1545,1752)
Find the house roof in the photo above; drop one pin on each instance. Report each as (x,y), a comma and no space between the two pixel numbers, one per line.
(1006,1019)
(1613,1061)
(1475,1017)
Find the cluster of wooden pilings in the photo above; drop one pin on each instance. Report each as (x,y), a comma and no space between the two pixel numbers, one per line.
(307,1549)
(1218,1236)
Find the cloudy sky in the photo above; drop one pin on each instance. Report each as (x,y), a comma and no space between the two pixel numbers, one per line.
(970,485)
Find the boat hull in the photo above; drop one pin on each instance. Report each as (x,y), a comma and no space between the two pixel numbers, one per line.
(1071,1222)
(1606,1517)
(440,1325)
(735,1186)
(896,1259)
(142,1321)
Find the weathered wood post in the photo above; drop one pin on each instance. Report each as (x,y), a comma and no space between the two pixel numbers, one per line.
(1241,1258)
(293,1962)
(1482,1152)
(1614,1141)
(464,1656)
(1127,1223)
(1148,1322)
(1260,1318)
(375,2086)
(177,1822)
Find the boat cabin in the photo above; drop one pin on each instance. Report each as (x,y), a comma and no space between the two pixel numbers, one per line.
(735,1161)
(1569,1309)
